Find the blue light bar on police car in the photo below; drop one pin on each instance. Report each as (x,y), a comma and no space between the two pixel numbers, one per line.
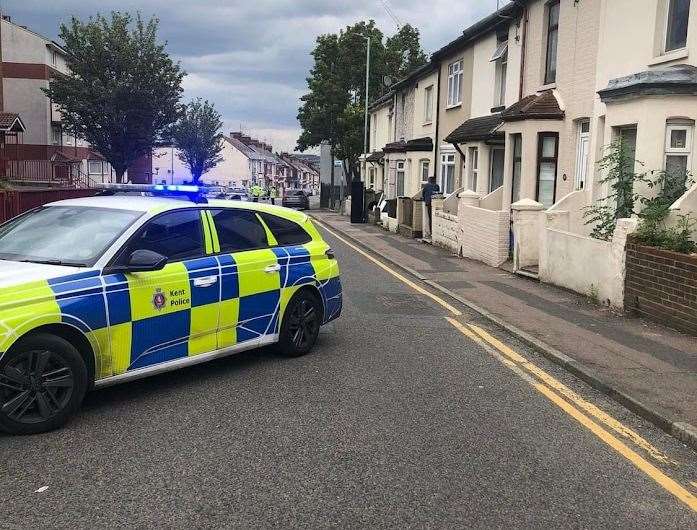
(158,188)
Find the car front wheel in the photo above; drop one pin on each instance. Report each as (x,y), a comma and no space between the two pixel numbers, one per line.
(301,323)
(43,380)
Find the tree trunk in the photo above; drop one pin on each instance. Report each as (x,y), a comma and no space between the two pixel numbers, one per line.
(119,175)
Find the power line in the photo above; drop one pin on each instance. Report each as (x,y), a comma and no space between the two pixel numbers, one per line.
(391,14)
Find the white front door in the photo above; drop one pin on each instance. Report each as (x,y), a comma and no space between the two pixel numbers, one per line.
(584,139)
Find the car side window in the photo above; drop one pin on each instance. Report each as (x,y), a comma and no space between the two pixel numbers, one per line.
(285,231)
(176,235)
(239,230)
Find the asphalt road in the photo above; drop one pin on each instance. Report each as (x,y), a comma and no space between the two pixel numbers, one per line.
(395,420)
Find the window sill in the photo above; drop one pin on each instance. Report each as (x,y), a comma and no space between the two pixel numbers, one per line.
(668,57)
(456,106)
(548,86)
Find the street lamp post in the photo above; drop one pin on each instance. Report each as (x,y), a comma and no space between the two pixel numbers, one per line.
(367,87)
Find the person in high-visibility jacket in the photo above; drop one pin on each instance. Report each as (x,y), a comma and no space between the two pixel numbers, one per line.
(256,192)
(273,194)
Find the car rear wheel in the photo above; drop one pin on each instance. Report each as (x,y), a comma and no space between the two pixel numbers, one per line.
(43,380)
(301,323)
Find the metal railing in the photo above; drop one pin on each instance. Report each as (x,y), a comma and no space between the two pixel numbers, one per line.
(45,172)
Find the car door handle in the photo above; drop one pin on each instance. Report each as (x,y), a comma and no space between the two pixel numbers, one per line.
(208,281)
(272,268)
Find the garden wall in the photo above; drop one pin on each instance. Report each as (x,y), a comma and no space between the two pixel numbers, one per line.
(662,286)
(588,266)
(484,234)
(445,231)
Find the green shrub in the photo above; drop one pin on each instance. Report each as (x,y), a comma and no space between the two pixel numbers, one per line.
(618,165)
(652,230)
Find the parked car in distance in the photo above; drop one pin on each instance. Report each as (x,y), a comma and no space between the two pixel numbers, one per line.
(237,194)
(294,198)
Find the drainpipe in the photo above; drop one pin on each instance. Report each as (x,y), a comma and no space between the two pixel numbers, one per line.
(394,117)
(436,144)
(457,148)
(522,52)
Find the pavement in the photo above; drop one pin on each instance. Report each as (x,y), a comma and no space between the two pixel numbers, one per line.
(647,367)
(398,419)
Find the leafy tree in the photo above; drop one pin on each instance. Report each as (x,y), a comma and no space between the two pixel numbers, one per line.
(123,89)
(326,98)
(334,106)
(403,52)
(197,137)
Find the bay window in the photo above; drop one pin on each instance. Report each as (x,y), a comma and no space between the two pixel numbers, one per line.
(447,173)
(678,149)
(517,166)
(547,153)
(473,156)
(425,168)
(400,179)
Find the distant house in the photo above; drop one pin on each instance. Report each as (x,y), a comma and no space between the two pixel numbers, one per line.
(245,161)
(304,176)
(265,168)
(33,146)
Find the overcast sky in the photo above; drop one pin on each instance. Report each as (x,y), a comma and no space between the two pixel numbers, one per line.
(251,57)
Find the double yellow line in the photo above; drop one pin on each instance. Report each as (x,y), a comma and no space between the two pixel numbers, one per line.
(574,405)
(563,397)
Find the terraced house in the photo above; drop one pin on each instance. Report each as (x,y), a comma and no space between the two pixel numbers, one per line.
(528,100)
(403,138)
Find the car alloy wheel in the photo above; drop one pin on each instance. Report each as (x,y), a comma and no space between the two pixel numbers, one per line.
(35,386)
(303,324)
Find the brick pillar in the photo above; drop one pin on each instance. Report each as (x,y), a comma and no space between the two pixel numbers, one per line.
(468,198)
(527,223)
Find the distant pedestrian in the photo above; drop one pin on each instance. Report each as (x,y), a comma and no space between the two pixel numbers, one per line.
(430,189)
(273,194)
(256,192)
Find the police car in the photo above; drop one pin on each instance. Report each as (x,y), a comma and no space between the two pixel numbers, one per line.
(106,289)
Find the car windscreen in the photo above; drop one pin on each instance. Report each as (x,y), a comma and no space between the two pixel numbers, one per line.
(294,193)
(63,235)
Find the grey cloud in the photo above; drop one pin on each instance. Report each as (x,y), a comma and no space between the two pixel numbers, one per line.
(251,58)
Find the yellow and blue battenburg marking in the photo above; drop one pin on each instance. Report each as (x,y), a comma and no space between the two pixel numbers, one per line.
(189,308)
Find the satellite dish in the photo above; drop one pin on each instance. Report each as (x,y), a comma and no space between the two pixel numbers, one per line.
(387,80)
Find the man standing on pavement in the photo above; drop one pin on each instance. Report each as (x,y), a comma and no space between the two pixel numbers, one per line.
(256,192)
(273,194)
(430,189)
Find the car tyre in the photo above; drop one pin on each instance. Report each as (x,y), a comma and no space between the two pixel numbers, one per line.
(43,380)
(301,323)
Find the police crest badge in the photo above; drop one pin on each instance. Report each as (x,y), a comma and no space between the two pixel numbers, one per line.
(159,300)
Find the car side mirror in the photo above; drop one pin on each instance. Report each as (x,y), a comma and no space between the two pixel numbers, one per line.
(145,261)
